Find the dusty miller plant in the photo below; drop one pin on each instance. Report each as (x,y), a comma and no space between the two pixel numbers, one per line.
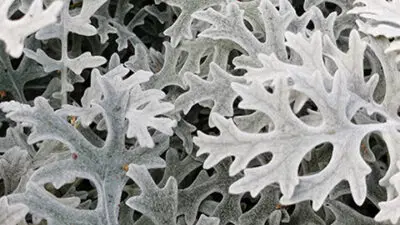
(199,112)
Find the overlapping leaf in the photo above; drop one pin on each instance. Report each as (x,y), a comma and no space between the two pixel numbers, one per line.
(290,140)
(160,205)
(14,32)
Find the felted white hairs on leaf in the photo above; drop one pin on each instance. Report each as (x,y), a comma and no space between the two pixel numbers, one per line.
(14,32)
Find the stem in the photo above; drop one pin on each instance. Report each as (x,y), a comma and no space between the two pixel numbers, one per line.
(64,57)
(111,191)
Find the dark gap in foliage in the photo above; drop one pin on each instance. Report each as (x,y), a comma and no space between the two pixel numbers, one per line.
(75,7)
(181,61)
(239,111)
(136,215)
(26,130)
(379,148)
(130,182)
(289,208)
(151,33)
(236,104)
(74,44)
(233,54)
(132,12)
(124,196)
(88,44)
(110,46)
(215,196)
(367,209)
(176,142)
(100,133)
(293,56)
(188,180)
(80,88)
(247,202)
(36,87)
(379,117)
(81,188)
(261,159)
(198,215)
(182,154)
(210,172)
(2,187)
(238,72)
(203,59)
(3,125)
(310,25)
(333,7)
(269,89)
(330,7)
(112,7)
(308,111)
(162,6)
(398,111)
(367,71)
(208,57)
(330,64)
(124,54)
(17,14)
(381,153)
(87,186)
(298,6)
(370,59)
(163,155)
(29,218)
(199,116)
(265,129)
(248,25)
(155,175)
(172,91)
(316,160)
(343,41)
(15,62)
(362,117)
(52,48)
